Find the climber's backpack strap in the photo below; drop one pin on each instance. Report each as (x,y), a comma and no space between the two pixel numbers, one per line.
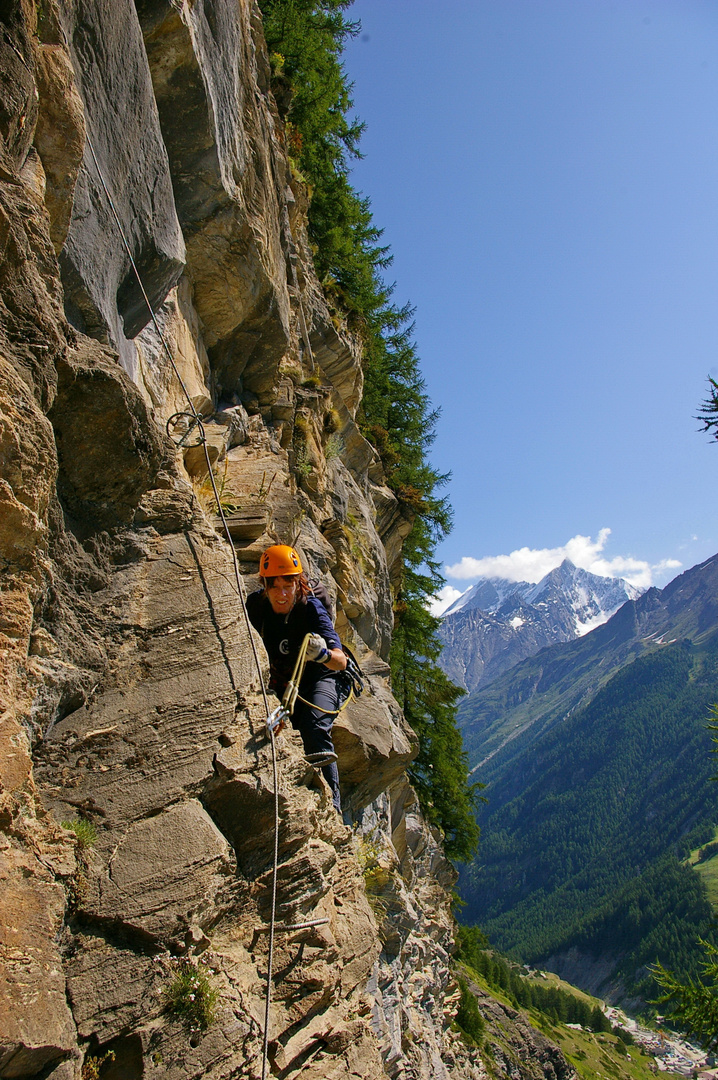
(351,680)
(319,589)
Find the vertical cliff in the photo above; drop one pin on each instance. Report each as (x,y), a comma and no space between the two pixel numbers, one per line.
(136,784)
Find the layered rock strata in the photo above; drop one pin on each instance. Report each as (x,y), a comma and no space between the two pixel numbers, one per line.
(137,788)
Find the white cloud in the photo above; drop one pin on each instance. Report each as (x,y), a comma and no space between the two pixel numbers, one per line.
(444,599)
(530,564)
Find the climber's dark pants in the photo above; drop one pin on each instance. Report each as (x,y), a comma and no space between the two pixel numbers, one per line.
(315,726)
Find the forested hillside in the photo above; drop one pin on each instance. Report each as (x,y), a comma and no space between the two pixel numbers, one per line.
(594,808)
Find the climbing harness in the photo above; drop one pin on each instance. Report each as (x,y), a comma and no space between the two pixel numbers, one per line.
(353,683)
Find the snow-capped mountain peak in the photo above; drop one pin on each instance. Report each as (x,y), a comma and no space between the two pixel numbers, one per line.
(592,598)
(488,594)
(496,622)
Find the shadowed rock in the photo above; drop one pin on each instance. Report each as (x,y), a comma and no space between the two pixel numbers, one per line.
(109,448)
(102,297)
(374,744)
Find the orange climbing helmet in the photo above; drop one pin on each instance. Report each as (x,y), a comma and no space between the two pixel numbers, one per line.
(279,560)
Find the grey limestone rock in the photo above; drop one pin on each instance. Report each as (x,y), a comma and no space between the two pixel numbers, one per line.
(219,133)
(102,296)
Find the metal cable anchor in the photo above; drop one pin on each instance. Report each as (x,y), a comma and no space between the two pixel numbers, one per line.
(277,719)
(181,429)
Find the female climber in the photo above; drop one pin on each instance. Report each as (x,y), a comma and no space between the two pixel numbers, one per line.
(284,611)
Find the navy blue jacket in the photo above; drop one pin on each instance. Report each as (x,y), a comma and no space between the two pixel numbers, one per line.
(283,634)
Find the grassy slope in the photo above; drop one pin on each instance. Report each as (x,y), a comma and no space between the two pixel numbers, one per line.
(707,870)
(594,1056)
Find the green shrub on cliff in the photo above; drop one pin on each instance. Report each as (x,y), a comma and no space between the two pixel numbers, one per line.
(305,39)
(468,1017)
(191,995)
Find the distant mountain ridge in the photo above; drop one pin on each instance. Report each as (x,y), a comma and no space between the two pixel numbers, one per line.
(497,623)
(595,754)
(550,685)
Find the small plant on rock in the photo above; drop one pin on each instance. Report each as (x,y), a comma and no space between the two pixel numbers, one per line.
(84,831)
(263,493)
(302,464)
(206,497)
(301,429)
(334,447)
(376,874)
(191,996)
(92,1066)
(332,421)
(86,836)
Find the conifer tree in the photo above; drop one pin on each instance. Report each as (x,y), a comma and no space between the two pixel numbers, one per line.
(693,1005)
(708,413)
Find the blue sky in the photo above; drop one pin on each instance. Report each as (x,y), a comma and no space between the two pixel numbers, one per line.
(546,173)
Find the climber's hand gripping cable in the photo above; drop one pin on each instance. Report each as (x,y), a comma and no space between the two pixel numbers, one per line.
(317,648)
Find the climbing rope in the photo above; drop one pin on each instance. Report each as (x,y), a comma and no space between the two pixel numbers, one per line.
(196,422)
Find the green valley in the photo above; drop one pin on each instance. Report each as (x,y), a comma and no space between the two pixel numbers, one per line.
(596,756)
(573,1021)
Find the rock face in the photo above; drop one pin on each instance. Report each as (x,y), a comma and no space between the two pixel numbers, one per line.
(137,785)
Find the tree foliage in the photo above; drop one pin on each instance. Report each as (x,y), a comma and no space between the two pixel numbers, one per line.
(693,1003)
(428,699)
(468,1016)
(305,39)
(584,844)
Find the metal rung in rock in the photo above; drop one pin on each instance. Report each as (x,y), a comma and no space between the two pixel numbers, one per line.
(319,760)
(289,927)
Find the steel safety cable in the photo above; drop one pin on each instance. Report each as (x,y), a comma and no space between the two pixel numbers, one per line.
(273,915)
(240,590)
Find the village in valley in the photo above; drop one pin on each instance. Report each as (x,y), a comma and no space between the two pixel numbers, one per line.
(672,1054)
